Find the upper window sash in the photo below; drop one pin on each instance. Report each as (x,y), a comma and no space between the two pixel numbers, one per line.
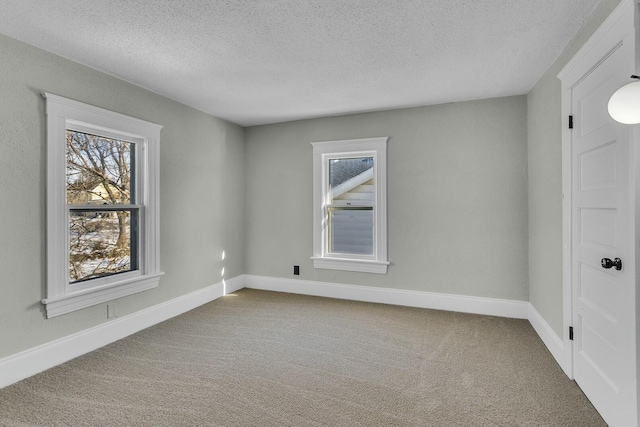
(136,150)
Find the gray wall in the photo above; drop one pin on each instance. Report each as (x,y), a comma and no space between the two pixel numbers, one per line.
(202,184)
(457,197)
(545,178)
(464,217)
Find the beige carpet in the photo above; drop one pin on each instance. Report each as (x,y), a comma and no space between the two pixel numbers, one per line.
(259,358)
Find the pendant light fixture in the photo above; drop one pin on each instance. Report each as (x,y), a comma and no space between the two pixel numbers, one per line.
(624,104)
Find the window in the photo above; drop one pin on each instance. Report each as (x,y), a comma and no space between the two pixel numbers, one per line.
(349,205)
(102,205)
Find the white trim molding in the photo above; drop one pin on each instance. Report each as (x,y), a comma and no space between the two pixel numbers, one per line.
(459,303)
(323,202)
(554,343)
(233,284)
(361,265)
(35,360)
(429,300)
(76,301)
(62,295)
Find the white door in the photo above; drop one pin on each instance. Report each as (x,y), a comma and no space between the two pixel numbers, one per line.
(603,228)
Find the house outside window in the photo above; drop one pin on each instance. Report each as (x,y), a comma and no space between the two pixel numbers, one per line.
(349,216)
(102,205)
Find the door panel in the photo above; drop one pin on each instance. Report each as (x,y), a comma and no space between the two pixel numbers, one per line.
(598,351)
(594,288)
(598,228)
(602,215)
(593,104)
(598,167)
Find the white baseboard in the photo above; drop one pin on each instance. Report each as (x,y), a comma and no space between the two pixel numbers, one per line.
(32,361)
(548,336)
(38,359)
(234,284)
(460,303)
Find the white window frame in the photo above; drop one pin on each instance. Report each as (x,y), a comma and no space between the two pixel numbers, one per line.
(322,152)
(63,114)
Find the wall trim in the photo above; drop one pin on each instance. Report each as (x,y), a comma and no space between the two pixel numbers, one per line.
(460,303)
(37,359)
(554,343)
(431,300)
(233,284)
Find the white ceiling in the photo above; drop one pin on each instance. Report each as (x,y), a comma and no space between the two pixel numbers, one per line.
(266,61)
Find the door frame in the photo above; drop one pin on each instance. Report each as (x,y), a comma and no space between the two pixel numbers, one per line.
(618,31)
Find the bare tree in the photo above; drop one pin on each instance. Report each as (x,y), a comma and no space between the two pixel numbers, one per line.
(98,173)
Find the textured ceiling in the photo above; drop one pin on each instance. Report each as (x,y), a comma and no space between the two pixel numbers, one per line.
(266,61)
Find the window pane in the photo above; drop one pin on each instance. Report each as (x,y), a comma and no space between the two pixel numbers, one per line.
(99,170)
(102,243)
(345,171)
(351,231)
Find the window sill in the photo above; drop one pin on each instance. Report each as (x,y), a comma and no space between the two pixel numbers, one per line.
(57,306)
(365,266)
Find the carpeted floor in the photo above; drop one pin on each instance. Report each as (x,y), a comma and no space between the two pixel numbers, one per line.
(257,358)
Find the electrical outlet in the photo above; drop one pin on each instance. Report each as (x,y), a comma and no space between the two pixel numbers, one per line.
(112,309)
(296,270)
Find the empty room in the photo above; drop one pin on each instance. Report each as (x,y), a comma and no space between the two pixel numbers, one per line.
(319,213)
